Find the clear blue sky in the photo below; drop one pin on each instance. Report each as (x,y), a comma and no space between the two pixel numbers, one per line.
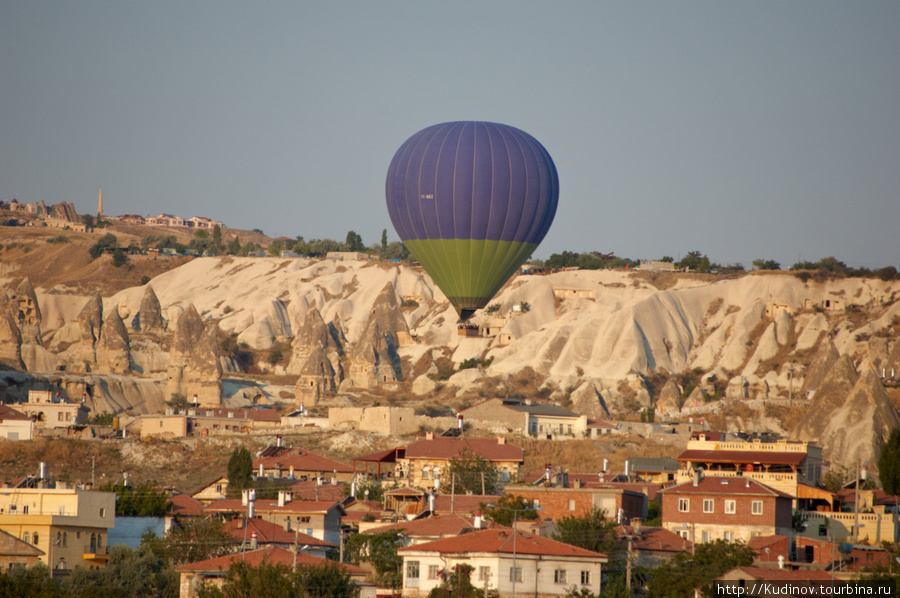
(745,130)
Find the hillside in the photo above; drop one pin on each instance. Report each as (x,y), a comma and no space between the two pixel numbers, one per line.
(740,351)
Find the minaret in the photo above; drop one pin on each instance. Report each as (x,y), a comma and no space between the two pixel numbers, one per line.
(100,205)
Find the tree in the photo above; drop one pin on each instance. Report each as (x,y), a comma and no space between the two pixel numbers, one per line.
(217,239)
(509,508)
(136,573)
(384,241)
(591,531)
(457,583)
(469,472)
(198,541)
(240,471)
(273,581)
(107,241)
(143,500)
(328,580)
(889,464)
(120,258)
(761,264)
(32,581)
(234,246)
(354,242)
(380,550)
(681,575)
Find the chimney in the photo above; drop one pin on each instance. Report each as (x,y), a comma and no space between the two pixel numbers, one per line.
(42,470)
(334,479)
(501,440)
(353,489)
(431,502)
(477,515)
(196,400)
(83,398)
(698,475)
(284,497)
(459,422)
(781,561)
(605,465)
(253,543)
(251,509)
(278,440)
(245,497)
(627,468)
(262,470)
(291,472)
(429,435)
(636,525)
(437,481)
(127,482)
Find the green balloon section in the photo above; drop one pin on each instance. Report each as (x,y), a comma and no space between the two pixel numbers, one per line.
(471,202)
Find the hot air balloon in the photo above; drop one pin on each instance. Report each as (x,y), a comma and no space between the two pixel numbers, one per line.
(471,201)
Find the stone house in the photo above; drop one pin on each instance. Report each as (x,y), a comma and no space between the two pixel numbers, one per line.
(424,459)
(50,410)
(320,519)
(618,503)
(725,508)
(525,417)
(388,421)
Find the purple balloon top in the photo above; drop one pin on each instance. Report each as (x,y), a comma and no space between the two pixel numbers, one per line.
(472,180)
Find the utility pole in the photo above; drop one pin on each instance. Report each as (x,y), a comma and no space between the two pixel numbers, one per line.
(627,564)
(294,549)
(93,469)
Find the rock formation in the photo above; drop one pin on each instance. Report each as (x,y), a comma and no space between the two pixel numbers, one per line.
(149,318)
(113,348)
(10,337)
(830,396)
(194,366)
(90,323)
(24,303)
(818,369)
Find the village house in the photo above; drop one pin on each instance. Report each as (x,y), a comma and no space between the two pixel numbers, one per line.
(619,504)
(17,553)
(651,546)
(50,410)
(425,459)
(733,509)
(194,576)
(659,470)
(259,533)
(297,463)
(525,417)
(435,527)
(164,220)
(15,425)
(68,525)
(792,467)
(202,421)
(387,421)
(511,562)
(319,519)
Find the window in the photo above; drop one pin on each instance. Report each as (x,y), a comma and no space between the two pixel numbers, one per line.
(433,571)
(728,536)
(683,533)
(287,524)
(684,505)
(535,504)
(60,416)
(730,507)
(36,539)
(412,570)
(515,574)
(707,536)
(65,539)
(24,509)
(13,509)
(61,564)
(59,538)
(585,578)
(571,504)
(304,519)
(425,473)
(27,538)
(62,509)
(559,576)
(756,507)
(504,474)
(102,512)
(484,573)
(708,505)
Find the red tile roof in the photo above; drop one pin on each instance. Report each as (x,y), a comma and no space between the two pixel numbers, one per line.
(302,461)
(438,525)
(766,574)
(449,448)
(760,543)
(654,539)
(272,555)
(742,457)
(7,412)
(500,541)
(185,506)
(713,485)
(310,490)
(228,505)
(462,503)
(270,533)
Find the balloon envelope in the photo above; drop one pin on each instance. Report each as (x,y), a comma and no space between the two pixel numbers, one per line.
(471,201)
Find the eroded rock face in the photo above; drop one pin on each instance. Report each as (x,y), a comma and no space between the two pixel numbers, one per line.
(10,337)
(859,427)
(317,378)
(149,318)
(830,396)
(194,365)
(24,305)
(113,348)
(669,397)
(821,365)
(374,359)
(313,335)
(90,323)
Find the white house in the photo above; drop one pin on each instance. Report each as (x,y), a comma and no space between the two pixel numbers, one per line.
(520,563)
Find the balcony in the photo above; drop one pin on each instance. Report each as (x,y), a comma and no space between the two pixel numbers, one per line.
(94,553)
